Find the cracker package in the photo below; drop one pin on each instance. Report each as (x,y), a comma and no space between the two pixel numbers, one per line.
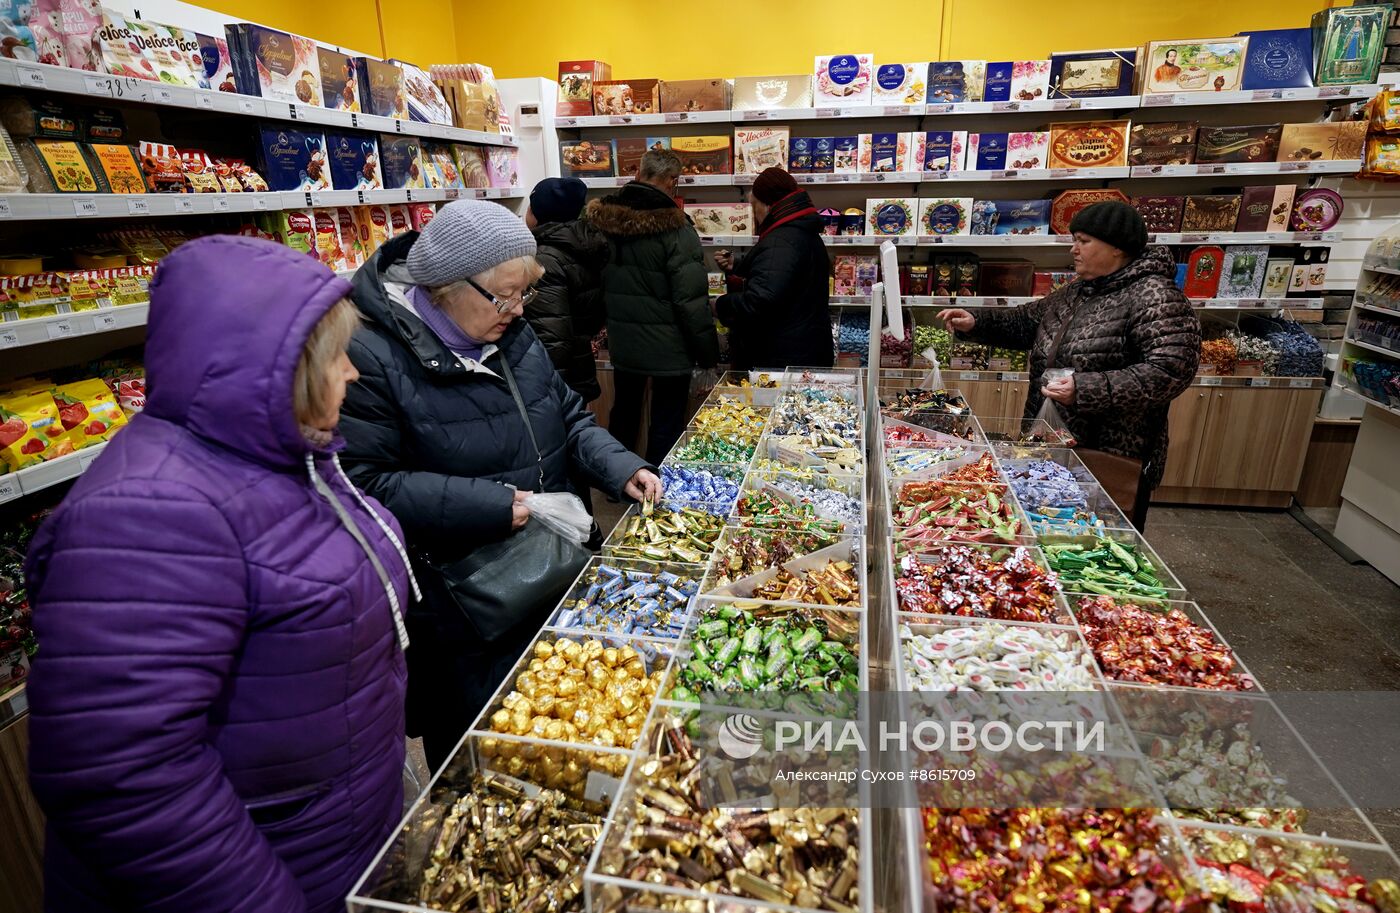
(62,164)
(354,161)
(425,102)
(702,154)
(381,88)
(576,78)
(199,171)
(471,92)
(295,159)
(218,63)
(757,150)
(120,169)
(401,160)
(627,96)
(276,65)
(843,80)
(340,84)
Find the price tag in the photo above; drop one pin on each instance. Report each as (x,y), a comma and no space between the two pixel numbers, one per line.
(260,201)
(204,100)
(1285,167)
(756,115)
(61,328)
(292,111)
(221,203)
(138,207)
(184,204)
(1000,106)
(567,122)
(316,199)
(676,117)
(1066,104)
(970,375)
(1333,92)
(619,121)
(483,194)
(9,488)
(828,112)
(245,106)
(877,176)
(1210,169)
(104,322)
(31,78)
(398,125)
(87,457)
(1003,175)
(1300,383)
(1061,173)
(5,212)
(1265,94)
(687,179)
(938,109)
(163,97)
(99,85)
(1259,382)
(1210,381)
(1194,238)
(453,193)
(85,207)
(9,338)
(898,111)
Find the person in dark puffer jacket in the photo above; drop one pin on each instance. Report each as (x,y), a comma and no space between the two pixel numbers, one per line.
(777,305)
(217,715)
(433,432)
(568,311)
(1133,340)
(658,302)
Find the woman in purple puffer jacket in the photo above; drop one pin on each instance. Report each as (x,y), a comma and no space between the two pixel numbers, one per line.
(217,711)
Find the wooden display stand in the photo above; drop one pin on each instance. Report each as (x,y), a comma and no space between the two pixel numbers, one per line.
(22,837)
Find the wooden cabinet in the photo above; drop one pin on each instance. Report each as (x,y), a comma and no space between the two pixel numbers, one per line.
(1237,445)
(1013,400)
(986,397)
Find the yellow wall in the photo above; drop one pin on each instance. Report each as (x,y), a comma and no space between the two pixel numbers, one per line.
(419,31)
(674,40)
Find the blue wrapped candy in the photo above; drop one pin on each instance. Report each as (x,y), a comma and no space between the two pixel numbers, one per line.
(688,486)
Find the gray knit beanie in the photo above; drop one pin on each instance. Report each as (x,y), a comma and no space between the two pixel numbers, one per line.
(466,238)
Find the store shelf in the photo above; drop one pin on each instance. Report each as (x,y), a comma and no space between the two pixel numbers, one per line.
(67,326)
(1370,400)
(1372,347)
(1224,237)
(54,472)
(1345,166)
(1379,309)
(140,91)
(57,206)
(1246,237)
(644,120)
(1388,270)
(1336,94)
(1202,304)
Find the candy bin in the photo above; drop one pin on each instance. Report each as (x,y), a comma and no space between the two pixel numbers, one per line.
(1016,429)
(832,497)
(708,447)
(1167,644)
(706,486)
(761,388)
(722,830)
(928,511)
(685,536)
(537,830)
(1112,562)
(968,580)
(630,596)
(831,575)
(1057,492)
(730,417)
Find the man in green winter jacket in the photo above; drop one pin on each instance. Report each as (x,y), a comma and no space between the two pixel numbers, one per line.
(657,298)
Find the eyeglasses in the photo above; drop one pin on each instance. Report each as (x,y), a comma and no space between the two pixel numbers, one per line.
(505,304)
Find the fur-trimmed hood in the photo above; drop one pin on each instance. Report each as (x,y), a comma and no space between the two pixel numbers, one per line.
(636,210)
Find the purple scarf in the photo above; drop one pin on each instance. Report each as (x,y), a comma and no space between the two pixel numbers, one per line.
(443,327)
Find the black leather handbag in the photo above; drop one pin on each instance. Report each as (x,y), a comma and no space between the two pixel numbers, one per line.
(503,585)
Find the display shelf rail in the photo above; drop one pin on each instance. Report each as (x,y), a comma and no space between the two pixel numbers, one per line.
(47,474)
(1370,400)
(63,206)
(1372,347)
(1211,169)
(67,326)
(1204,304)
(1378,268)
(1221,237)
(1379,309)
(1329,94)
(141,91)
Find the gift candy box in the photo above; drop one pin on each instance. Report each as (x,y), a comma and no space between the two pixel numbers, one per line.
(276,65)
(900,84)
(1027,150)
(1091,144)
(576,78)
(939,150)
(381,88)
(1070,202)
(425,101)
(1030,80)
(694,95)
(1211,213)
(802,152)
(1255,206)
(702,154)
(1278,59)
(401,162)
(945,216)
(1195,65)
(354,161)
(295,159)
(987,151)
(997,86)
(627,96)
(842,80)
(884,152)
(1011,217)
(1093,74)
(218,63)
(1348,43)
(1161,214)
(888,217)
(340,86)
(627,152)
(1242,273)
(758,149)
(721,218)
(762,93)
(1258,143)
(1203,266)
(956,81)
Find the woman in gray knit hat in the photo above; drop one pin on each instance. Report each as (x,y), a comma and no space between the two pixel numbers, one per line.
(435,432)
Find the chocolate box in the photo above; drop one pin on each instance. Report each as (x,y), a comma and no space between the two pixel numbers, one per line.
(1242,273)
(1326,142)
(1348,43)
(1093,74)
(694,95)
(576,78)
(627,96)
(295,159)
(842,80)
(401,161)
(426,104)
(218,63)
(1255,206)
(721,218)
(956,81)
(1278,59)
(1211,212)
(1194,65)
(1006,278)
(354,161)
(702,154)
(471,165)
(1091,144)
(900,84)
(340,84)
(845,151)
(1257,143)
(757,149)
(279,66)
(998,83)
(381,88)
(1161,214)
(762,93)
(1178,154)
(440,167)
(884,152)
(939,150)
(1203,265)
(801,152)
(1028,150)
(1070,202)
(1030,80)
(1011,217)
(1281,212)
(945,216)
(1166,133)
(503,166)
(892,217)
(627,154)
(987,151)
(824,155)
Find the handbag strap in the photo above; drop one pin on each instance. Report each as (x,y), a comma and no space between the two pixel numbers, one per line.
(1054,349)
(524,413)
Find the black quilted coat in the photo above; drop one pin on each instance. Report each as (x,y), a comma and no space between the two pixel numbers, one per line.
(777,308)
(1133,341)
(433,442)
(568,312)
(655,288)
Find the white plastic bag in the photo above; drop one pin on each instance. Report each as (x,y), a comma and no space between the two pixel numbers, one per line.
(562,513)
(933,380)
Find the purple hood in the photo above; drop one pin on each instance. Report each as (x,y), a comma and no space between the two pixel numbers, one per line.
(217,712)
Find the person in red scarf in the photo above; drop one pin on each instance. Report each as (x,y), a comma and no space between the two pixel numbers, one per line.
(776,305)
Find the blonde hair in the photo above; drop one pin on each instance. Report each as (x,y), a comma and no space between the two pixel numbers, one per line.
(445,293)
(328,341)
